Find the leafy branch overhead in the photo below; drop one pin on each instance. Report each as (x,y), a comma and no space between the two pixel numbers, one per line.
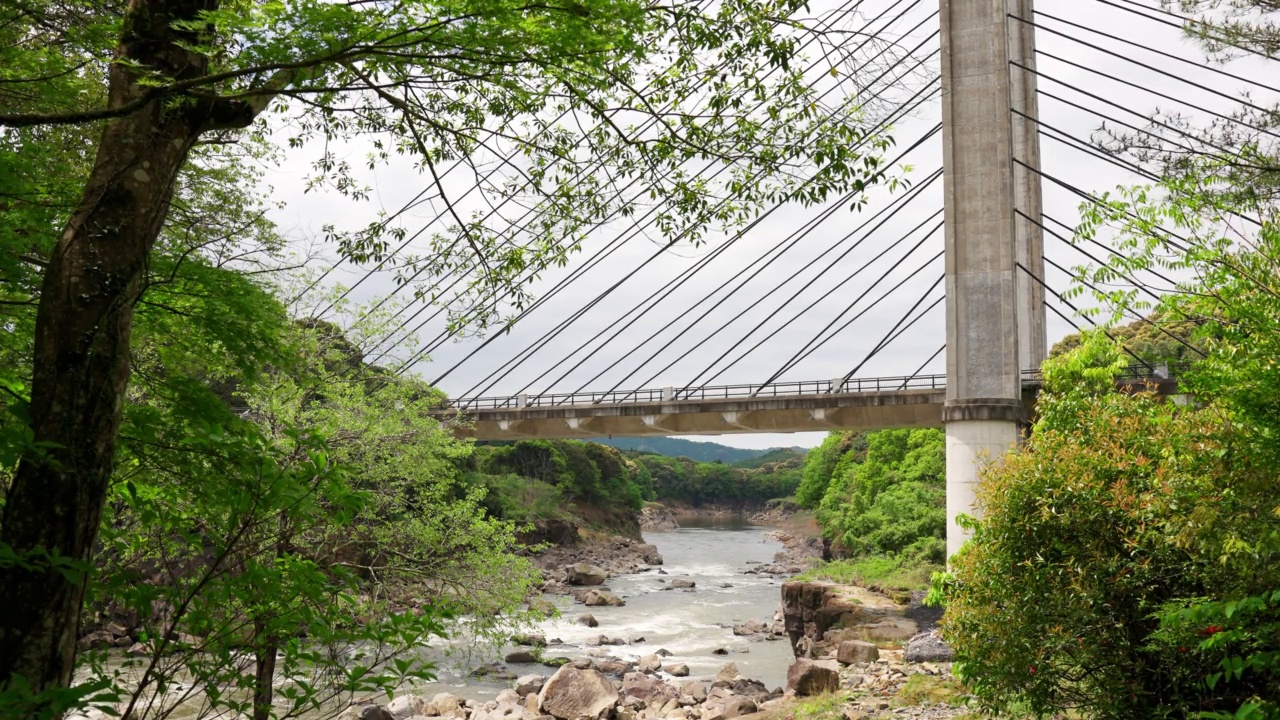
(582,113)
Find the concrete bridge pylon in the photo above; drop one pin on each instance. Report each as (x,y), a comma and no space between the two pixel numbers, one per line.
(994,309)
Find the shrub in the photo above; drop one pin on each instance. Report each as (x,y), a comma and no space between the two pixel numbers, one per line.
(1084,586)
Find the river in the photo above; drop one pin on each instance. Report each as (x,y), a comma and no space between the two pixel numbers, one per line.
(691,624)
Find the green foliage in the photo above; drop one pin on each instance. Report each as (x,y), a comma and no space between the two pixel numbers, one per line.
(1100,574)
(820,465)
(892,499)
(906,571)
(684,480)
(580,472)
(698,450)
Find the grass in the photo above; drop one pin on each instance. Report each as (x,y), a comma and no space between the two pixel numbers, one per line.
(887,573)
(930,690)
(819,707)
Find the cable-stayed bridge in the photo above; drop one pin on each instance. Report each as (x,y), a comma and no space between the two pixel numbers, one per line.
(929,305)
(855,404)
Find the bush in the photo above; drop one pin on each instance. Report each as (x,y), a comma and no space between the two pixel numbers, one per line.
(1086,581)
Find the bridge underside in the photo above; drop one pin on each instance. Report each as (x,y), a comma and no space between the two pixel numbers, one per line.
(797,413)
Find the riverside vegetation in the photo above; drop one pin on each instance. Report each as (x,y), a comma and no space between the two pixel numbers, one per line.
(175,424)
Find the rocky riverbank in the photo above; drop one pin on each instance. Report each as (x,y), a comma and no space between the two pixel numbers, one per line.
(868,682)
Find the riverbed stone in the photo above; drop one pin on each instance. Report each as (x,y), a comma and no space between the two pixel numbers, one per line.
(663,652)
(682,583)
(585,574)
(728,672)
(851,652)
(530,639)
(406,706)
(529,684)
(600,598)
(446,703)
(695,689)
(751,627)
(375,712)
(807,677)
(589,620)
(542,605)
(678,670)
(521,657)
(572,693)
(646,687)
(928,647)
(650,664)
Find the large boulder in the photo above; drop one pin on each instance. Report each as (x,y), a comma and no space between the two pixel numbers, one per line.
(406,706)
(730,707)
(678,670)
(728,672)
(646,687)
(448,705)
(679,583)
(522,657)
(585,574)
(572,693)
(807,677)
(928,647)
(589,620)
(650,664)
(599,598)
(851,652)
(529,684)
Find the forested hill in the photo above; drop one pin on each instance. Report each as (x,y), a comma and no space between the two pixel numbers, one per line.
(692,449)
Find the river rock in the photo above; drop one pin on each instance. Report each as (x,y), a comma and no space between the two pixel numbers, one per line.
(374,712)
(650,664)
(728,672)
(598,598)
(447,704)
(650,554)
(751,627)
(695,689)
(589,620)
(613,666)
(807,677)
(678,670)
(542,605)
(529,684)
(857,651)
(97,640)
(508,696)
(720,651)
(662,652)
(406,706)
(646,687)
(585,574)
(682,583)
(530,639)
(730,707)
(572,693)
(521,657)
(928,647)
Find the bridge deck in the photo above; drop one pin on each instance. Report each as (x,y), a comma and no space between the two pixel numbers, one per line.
(854,404)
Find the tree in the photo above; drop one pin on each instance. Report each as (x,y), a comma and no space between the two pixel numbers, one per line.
(441,81)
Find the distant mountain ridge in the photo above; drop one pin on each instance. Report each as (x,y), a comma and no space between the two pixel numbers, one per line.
(699,451)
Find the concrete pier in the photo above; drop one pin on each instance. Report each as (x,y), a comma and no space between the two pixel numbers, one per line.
(995,312)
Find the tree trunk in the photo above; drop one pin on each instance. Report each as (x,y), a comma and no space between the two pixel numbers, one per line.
(92,282)
(265,673)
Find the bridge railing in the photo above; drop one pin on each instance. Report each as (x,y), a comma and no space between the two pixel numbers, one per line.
(703,392)
(781,389)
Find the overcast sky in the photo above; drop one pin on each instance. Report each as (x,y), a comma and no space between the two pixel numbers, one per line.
(673,358)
